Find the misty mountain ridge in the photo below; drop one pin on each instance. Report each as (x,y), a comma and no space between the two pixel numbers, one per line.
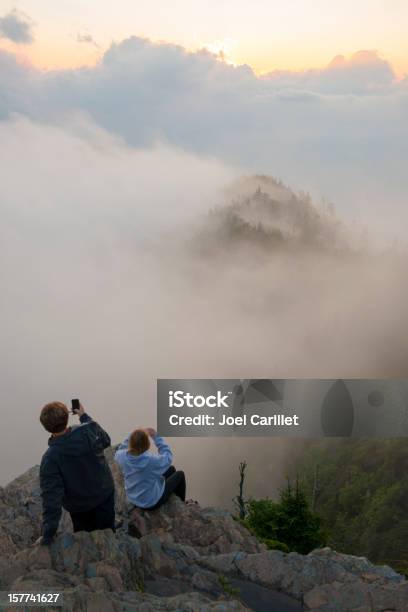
(261,212)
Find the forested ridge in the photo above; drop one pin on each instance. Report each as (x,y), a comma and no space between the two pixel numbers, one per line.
(359,488)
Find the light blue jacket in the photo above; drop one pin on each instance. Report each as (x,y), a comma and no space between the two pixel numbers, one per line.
(143,474)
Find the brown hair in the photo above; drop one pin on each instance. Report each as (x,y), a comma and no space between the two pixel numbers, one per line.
(54,417)
(138,442)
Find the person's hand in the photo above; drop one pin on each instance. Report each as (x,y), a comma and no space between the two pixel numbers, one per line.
(42,542)
(81,410)
(151,432)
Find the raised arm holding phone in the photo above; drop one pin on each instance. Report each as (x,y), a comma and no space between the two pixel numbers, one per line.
(74,473)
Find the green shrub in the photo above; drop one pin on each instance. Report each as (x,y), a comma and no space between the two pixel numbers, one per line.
(275,545)
(288,522)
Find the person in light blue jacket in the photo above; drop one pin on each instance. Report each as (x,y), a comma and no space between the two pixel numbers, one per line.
(150,479)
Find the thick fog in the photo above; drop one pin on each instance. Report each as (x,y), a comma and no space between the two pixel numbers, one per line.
(123,265)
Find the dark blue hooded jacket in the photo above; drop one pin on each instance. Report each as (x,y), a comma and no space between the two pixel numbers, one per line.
(74,473)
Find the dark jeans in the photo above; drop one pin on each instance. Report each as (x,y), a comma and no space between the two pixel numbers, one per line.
(101,517)
(175,483)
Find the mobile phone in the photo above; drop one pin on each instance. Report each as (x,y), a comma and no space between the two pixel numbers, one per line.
(75,405)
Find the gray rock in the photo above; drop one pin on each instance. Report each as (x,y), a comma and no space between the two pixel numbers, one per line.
(325,580)
(208,530)
(357,596)
(174,559)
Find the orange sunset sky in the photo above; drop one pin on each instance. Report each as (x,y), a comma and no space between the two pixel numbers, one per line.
(266,34)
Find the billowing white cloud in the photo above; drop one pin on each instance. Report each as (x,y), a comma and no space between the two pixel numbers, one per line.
(363,73)
(17,27)
(340,132)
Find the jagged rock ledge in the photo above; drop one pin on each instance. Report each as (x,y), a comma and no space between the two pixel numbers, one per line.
(180,558)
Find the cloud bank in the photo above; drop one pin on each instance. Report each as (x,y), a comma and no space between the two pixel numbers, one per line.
(339,132)
(363,73)
(17,27)
(114,273)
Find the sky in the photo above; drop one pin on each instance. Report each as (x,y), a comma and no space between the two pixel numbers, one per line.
(267,35)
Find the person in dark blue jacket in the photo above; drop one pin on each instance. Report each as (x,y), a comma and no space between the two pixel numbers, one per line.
(74,473)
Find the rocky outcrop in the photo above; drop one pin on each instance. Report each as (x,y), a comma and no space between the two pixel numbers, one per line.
(90,568)
(208,530)
(181,557)
(324,580)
